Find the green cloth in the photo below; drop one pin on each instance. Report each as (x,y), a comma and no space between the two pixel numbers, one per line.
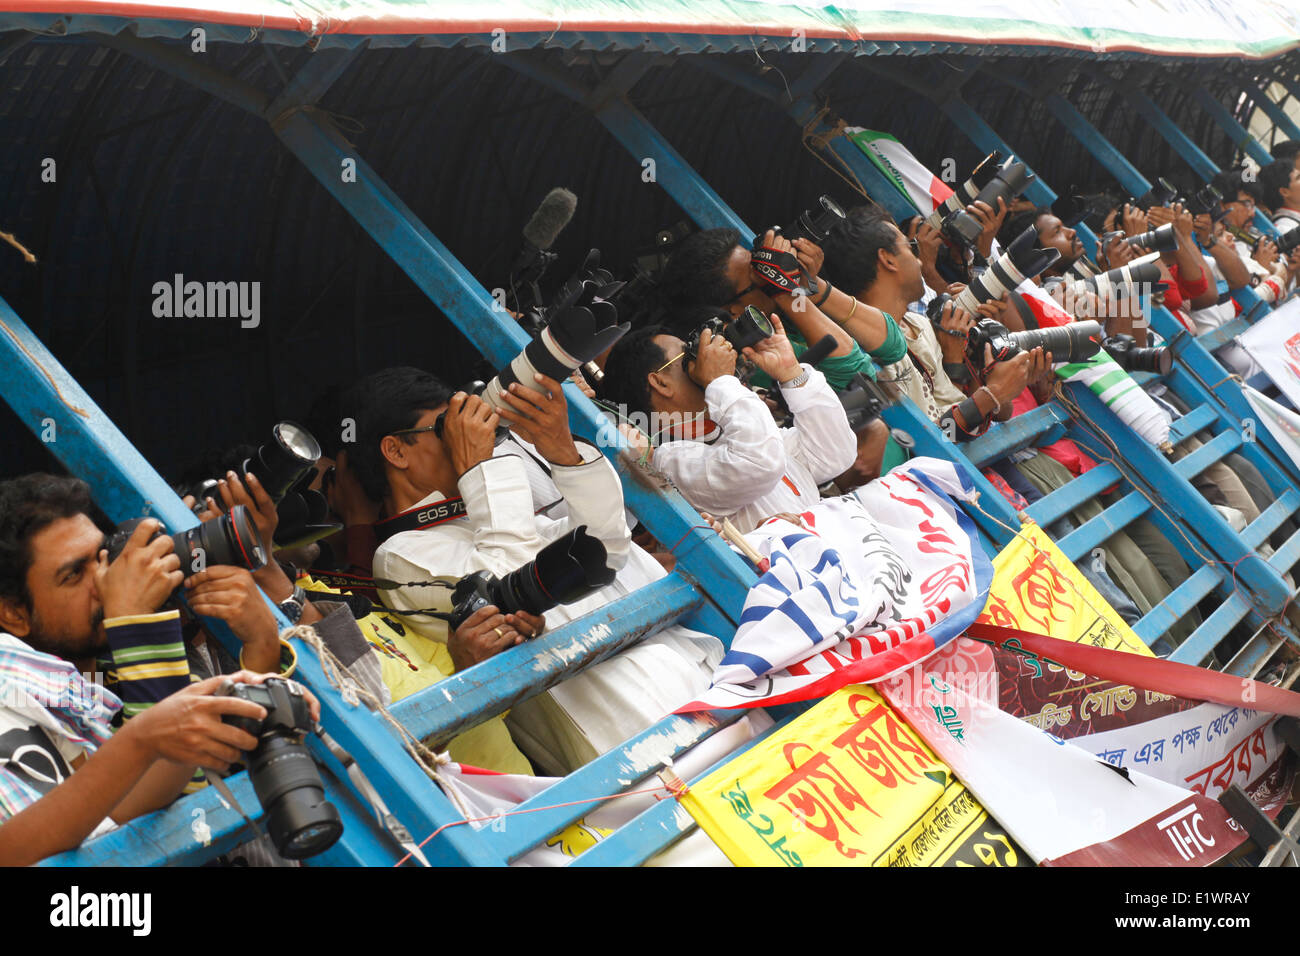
(895,454)
(840,369)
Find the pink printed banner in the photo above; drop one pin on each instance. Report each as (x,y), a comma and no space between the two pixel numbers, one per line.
(864,586)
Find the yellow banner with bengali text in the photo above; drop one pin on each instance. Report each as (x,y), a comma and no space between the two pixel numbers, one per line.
(848,783)
(1036,588)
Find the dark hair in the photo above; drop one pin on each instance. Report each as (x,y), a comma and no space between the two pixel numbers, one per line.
(853,248)
(683,322)
(214,463)
(380,404)
(696,272)
(1229,182)
(1018,222)
(28,505)
(1288,149)
(628,368)
(1274,177)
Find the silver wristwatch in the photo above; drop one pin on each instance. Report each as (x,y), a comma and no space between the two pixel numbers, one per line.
(799,380)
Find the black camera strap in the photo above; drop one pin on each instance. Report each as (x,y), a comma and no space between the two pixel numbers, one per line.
(420,517)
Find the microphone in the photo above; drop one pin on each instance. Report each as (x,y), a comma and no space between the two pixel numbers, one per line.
(551,216)
(824,347)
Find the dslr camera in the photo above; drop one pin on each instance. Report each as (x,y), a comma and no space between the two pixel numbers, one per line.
(1076,342)
(566,570)
(300,821)
(229,539)
(991,179)
(746,330)
(1125,351)
(813,224)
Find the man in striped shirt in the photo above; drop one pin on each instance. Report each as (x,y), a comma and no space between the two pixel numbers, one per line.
(62,603)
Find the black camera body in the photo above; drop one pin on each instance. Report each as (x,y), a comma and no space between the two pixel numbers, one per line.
(229,539)
(301,822)
(1287,242)
(746,330)
(863,401)
(566,570)
(1126,353)
(1076,342)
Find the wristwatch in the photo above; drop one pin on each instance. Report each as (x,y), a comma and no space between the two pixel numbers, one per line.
(798,380)
(292,606)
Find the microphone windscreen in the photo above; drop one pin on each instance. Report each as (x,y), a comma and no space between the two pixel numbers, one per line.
(552,215)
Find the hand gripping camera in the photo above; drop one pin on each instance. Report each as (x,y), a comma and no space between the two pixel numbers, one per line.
(566,570)
(300,821)
(227,539)
(991,179)
(747,330)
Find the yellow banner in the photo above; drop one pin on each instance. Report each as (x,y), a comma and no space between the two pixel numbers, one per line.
(1036,588)
(848,783)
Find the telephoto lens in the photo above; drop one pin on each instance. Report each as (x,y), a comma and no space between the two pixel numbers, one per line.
(1118,283)
(300,821)
(813,224)
(1010,180)
(580,325)
(1160,239)
(966,192)
(1076,342)
(228,539)
(1021,260)
(283,461)
(566,570)
(1125,351)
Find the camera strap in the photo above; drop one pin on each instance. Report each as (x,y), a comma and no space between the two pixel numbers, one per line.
(778,269)
(420,517)
(223,791)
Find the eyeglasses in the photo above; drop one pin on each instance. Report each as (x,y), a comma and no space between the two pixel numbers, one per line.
(1248,203)
(416,431)
(916,249)
(752,287)
(669,362)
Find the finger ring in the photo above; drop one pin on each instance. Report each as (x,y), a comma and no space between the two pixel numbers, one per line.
(500,633)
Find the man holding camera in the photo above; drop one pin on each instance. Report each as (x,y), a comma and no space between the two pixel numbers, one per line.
(869,254)
(490,526)
(751,470)
(64,772)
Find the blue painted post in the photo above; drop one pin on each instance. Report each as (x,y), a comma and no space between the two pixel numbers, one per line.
(1274,112)
(1235,131)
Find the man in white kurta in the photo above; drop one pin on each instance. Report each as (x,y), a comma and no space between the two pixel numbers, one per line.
(592,712)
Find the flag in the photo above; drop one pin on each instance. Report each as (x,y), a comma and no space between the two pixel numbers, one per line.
(863,586)
(922,188)
(1278,419)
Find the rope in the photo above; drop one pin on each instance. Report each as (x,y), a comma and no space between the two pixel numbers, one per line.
(673,786)
(9,238)
(353,694)
(819,143)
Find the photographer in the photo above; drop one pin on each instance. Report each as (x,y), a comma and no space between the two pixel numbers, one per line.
(751,470)
(1279,184)
(378,651)
(869,254)
(62,603)
(490,526)
(712,268)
